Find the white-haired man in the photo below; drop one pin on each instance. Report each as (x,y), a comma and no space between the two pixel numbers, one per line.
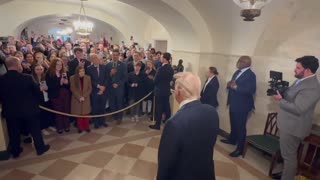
(188,139)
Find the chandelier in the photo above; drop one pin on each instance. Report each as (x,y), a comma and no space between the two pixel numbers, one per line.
(82,26)
(251,8)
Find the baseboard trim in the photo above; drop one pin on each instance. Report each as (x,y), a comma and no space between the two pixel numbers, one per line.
(4,155)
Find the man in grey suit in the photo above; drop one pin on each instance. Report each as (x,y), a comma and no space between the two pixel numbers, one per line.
(296,112)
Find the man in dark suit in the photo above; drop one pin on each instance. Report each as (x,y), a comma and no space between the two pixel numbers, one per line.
(98,74)
(21,106)
(296,112)
(188,139)
(78,61)
(242,88)
(117,74)
(162,91)
(210,88)
(136,59)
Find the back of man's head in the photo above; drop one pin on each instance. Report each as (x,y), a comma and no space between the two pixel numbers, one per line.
(12,63)
(309,62)
(188,84)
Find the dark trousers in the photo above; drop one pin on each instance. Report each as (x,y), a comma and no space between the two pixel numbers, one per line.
(46,118)
(162,105)
(62,104)
(238,122)
(116,102)
(98,105)
(14,129)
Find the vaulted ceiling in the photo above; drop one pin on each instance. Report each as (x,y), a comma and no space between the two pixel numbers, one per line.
(191,25)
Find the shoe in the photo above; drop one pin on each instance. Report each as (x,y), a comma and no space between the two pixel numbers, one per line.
(27,140)
(226,141)
(45,149)
(105,125)
(60,131)
(67,130)
(16,155)
(236,153)
(276,175)
(88,130)
(154,127)
(79,131)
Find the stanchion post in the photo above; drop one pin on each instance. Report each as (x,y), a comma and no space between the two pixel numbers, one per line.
(154,109)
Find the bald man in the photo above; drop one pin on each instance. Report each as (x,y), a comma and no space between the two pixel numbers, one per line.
(188,139)
(19,95)
(242,88)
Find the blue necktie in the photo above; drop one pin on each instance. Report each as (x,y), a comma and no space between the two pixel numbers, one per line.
(236,74)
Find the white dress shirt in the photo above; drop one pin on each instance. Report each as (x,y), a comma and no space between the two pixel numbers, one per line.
(209,79)
(242,71)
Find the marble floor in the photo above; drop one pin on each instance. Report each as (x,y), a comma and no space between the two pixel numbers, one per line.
(124,152)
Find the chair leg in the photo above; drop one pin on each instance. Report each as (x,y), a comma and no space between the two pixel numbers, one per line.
(245,149)
(274,160)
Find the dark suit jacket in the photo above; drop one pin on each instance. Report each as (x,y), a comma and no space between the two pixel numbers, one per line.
(73,64)
(53,83)
(209,94)
(241,99)
(162,80)
(187,142)
(102,79)
(19,95)
(119,78)
(136,93)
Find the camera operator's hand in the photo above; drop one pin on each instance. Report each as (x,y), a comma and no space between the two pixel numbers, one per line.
(277,97)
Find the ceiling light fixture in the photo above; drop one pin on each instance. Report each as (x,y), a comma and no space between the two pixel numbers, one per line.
(82,26)
(251,8)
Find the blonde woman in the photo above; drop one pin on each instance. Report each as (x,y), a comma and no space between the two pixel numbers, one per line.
(80,85)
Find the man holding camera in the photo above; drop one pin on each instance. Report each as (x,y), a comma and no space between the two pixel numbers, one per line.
(296,112)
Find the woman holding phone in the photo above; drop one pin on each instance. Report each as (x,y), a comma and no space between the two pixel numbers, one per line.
(45,117)
(80,85)
(59,94)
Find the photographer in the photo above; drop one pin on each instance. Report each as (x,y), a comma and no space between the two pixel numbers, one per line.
(296,112)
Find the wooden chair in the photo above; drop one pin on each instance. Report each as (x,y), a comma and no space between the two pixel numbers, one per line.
(309,158)
(268,142)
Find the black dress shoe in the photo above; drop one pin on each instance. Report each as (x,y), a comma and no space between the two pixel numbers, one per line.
(67,130)
(154,127)
(45,149)
(236,153)
(16,155)
(276,175)
(226,141)
(79,131)
(60,131)
(88,130)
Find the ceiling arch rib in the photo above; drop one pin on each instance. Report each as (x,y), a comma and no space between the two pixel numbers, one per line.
(25,11)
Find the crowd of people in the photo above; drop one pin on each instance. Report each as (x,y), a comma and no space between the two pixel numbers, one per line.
(86,78)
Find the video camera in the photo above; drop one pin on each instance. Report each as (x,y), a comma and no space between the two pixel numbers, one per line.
(277,84)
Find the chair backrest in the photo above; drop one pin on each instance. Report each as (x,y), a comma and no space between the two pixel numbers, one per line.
(309,157)
(271,127)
